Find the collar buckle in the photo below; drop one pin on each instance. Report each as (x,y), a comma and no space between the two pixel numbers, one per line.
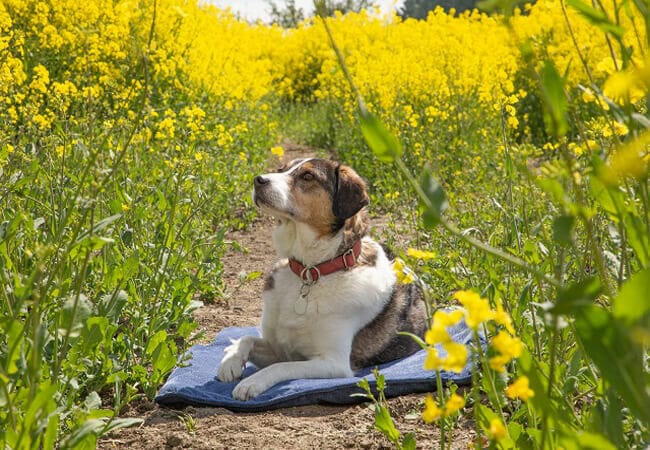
(351,262)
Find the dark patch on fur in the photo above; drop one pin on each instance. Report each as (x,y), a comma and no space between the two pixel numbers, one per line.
(388,251)
(369,255)
(378,342)
(350,193)
(354,229)
(269,283)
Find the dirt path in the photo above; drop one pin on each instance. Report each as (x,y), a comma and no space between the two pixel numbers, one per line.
(306,427)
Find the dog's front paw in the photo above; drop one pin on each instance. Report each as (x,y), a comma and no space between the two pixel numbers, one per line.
(248,388)
(231,367)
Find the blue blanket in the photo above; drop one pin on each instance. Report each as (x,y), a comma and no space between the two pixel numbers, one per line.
(196,383)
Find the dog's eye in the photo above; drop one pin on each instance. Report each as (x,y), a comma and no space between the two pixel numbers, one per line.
(307,176)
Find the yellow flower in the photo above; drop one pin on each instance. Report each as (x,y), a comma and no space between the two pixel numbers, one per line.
(456,357)
(403,273)
(420,254)
(626,86)
(497,429)
(125,207)
(432,361)
(478,309)
(277,151)
(503,318)
(498,363)
(41,79)
(436,335)
(520,389)
(198,156)
(243,156)
(628,160)
(620,128)
(508,347)
(441,320)
(454,403)
(431,411)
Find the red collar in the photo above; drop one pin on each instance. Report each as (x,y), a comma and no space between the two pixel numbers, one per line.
(312,274)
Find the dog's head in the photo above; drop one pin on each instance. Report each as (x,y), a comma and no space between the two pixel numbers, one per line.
(318,192)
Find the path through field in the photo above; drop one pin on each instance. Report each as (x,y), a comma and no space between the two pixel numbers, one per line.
(307,427)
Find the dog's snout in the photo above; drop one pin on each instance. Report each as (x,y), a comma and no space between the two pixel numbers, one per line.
(260,180)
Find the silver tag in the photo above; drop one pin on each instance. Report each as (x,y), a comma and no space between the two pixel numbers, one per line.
(300,305)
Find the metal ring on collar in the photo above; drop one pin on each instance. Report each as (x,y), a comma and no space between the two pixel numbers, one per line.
(306,274)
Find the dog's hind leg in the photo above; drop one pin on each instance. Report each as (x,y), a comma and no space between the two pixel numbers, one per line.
(262,354)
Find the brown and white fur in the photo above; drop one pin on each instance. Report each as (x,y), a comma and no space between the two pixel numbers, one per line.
(352,317)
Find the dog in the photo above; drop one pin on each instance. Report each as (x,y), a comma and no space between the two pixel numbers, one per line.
(332,303)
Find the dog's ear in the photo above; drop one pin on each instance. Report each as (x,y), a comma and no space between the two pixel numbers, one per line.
(350,195)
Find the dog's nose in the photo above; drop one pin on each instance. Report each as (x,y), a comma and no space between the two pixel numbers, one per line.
(260,180)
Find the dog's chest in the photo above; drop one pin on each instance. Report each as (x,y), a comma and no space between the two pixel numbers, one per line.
(301,320)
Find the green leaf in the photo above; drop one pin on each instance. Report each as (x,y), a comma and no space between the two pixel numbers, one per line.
(431,214)
(555,101)
(155,341)
(384,423)
(75,312)
(607,418)
(84,435)
(620,360)
(94,333)
(577,295)
(637,237)
(381,381)
(92,401)
(583,440)
(554,189)
(506,7)
(597,18)
(609,198)
(514,430)
(409,443)
(111,305)
(537,373)
(253,275)
(51,431)
(381,141)
(363,384)
(562,228)
(122,423)
(631,303)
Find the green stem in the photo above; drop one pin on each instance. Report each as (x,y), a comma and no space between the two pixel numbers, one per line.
(488,373)
(551,376)
(441,399)
(589,227)
(475,392)
(518,262)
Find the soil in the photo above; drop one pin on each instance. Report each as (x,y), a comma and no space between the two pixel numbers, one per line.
(305,427)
